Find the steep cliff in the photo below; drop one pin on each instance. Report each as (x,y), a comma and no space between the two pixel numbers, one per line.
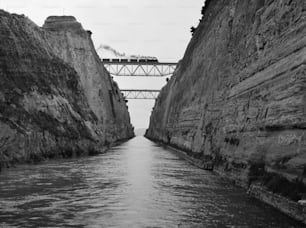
(73,44)
(237,98)
(44,110)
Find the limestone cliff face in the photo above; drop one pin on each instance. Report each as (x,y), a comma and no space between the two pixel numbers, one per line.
(44,110)
(238,96)
(73,44)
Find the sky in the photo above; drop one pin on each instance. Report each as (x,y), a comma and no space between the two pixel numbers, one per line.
(159,28)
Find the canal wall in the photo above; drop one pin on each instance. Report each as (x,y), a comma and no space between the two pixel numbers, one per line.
(237,97)
(293,209)
(56,98)
(71,43)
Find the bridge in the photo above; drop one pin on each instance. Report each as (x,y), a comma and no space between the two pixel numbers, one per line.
(140,67)
(144,94)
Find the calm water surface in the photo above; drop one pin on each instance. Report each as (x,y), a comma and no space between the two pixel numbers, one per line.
(136,184)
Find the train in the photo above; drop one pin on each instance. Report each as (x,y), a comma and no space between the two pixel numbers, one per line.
(131,60)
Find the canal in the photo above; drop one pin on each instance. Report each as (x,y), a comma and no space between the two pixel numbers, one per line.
(136,184)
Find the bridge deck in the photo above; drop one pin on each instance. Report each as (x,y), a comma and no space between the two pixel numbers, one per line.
(139,67)
(141,63)
(144,94)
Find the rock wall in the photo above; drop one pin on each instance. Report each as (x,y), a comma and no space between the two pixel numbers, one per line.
(73,44)
(295,210)
(238,96)
(44,108)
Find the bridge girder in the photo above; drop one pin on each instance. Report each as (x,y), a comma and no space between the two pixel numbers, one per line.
(140,69)
(143,94)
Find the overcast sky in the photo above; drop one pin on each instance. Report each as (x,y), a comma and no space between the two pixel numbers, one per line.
(153,28)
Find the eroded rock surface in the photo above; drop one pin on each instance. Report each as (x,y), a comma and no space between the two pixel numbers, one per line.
(45,109)
(73,44)
(238,96)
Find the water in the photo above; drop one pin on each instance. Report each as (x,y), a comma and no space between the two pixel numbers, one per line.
(137,184)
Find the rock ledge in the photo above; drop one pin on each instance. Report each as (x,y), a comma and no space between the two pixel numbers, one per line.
(62,23)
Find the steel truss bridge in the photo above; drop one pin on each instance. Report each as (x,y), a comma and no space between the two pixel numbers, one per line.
(140,68)
(144,94)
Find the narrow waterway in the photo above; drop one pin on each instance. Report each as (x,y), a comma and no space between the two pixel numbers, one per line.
(136,184)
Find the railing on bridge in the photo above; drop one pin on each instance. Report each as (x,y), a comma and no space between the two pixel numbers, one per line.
(144,94)
(139,67)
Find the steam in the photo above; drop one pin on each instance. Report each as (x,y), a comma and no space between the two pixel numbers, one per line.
(112,50)
(118,54)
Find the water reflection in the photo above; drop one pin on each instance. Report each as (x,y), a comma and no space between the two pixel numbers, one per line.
(137,184)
